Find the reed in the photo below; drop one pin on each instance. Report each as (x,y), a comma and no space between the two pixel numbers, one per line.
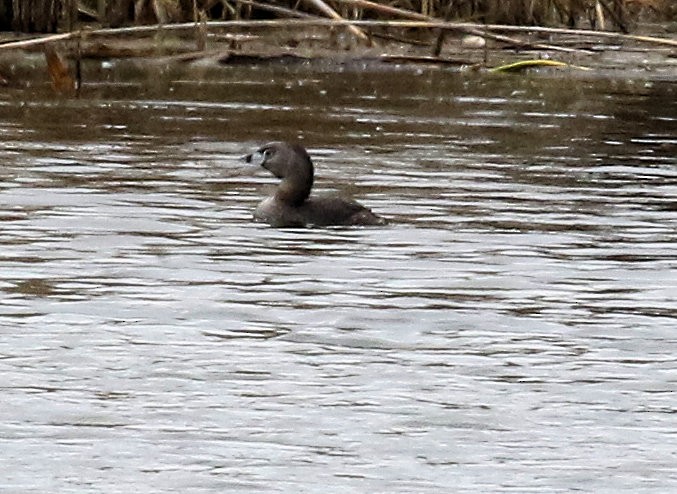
(593,14)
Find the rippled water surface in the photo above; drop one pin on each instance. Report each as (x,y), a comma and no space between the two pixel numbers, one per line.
(512,330)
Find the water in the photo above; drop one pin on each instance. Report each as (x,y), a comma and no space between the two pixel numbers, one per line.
(511,330)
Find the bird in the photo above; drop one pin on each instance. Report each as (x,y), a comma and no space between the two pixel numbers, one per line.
(291,205)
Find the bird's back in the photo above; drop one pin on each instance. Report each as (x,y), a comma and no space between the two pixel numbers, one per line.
(335,210)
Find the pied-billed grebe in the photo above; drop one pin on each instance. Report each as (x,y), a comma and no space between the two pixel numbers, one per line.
(290,205)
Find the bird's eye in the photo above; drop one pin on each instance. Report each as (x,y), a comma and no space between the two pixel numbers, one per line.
(267,153)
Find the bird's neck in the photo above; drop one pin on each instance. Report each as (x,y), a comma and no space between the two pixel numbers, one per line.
(295,189)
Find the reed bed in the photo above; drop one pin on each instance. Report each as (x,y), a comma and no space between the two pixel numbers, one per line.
(53,15)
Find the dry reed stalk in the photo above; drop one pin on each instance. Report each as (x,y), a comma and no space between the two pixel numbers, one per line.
(387,9)
(41,40)
(524,44)
(332,14)
(300,23)
(276,9)
(599,16)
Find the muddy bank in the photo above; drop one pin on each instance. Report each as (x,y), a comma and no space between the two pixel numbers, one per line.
(650,53)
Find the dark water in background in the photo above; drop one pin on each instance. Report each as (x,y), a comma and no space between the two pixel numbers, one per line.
(512,330)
